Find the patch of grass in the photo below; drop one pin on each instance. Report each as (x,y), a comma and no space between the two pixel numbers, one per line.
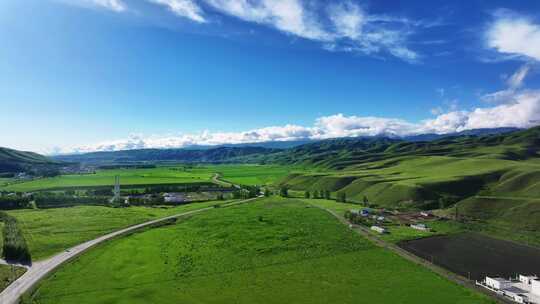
(249,174)
(150,176)
(48,231)
(8,274)
(271,251)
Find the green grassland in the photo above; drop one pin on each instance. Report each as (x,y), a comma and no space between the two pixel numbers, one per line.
(9,274)
(419,182)
(159,175)
(240,174)
(271,251)
(48,231)
(249,174)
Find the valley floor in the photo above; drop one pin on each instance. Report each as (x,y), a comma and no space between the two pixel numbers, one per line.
(271,251)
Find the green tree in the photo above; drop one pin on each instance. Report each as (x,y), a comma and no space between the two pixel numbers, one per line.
(266,192)
(307,194)
(442,204)
(365,201)
(284,191)
(316,194)
(327,194)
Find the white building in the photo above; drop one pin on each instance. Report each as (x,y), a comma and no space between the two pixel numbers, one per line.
(524,289)
(498,283)
(425,213)
(516,294)
(380,230)
(535,286)
(527,279)
(421,227)
(174,198)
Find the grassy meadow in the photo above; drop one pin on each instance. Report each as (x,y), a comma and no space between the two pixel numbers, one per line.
(9,274)
(49,231)
(271,251)
(150,176)
(240,174)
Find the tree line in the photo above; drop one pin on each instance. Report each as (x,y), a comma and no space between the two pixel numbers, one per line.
(14,248)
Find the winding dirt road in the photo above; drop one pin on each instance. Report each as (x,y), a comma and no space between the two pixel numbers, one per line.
(40,269)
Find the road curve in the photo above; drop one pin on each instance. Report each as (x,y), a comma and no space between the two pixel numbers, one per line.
(40,269)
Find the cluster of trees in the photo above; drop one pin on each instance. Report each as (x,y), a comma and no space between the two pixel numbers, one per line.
(50,200)
(284,191)
(246,192)
(14,247)
(341,197)
(326,194)
(14,202)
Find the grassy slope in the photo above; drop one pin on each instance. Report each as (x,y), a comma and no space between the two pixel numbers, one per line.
(49,231)
(15,161)
(9,274)
(249,174)
(275,251)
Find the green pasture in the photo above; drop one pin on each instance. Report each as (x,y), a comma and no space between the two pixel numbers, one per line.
(249,174)
(240,174)
(159,175)
(49,231)
(8,274)
(270,251)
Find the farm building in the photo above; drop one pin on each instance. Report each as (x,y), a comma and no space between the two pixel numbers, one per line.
(378,229)
(524,289)
(498,283)
(421,227)
(535,286)
(364,212)
(527,279)
(425,213)
(174,198)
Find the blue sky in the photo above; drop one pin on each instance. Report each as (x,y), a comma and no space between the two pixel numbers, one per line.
(88,75)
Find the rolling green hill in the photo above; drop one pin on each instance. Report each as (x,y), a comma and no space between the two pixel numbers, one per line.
(12,161)
(493,178)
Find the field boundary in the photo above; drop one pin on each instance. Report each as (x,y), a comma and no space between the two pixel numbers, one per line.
(41,269)
(456,278)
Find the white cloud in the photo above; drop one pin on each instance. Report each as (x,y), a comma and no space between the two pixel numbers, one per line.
(516,80)
(183,8)
(114,5)
(514,83)
(341,25)
(348,19)
(522,111)
(288,16)
(515,35)
(370,34)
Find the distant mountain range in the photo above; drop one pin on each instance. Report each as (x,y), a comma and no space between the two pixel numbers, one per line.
(214,155)
(259,152)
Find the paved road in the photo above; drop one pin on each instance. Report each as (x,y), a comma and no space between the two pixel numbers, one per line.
(40,269)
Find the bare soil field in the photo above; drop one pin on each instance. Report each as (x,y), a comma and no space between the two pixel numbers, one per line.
(474,255)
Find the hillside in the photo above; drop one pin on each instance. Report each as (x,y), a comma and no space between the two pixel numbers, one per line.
(494,178)
(216,155)
(12,161)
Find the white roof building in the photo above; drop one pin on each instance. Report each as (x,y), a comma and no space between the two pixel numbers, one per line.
(535,287)
(380,230)
(527,279)
(498,283)
(421,227)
